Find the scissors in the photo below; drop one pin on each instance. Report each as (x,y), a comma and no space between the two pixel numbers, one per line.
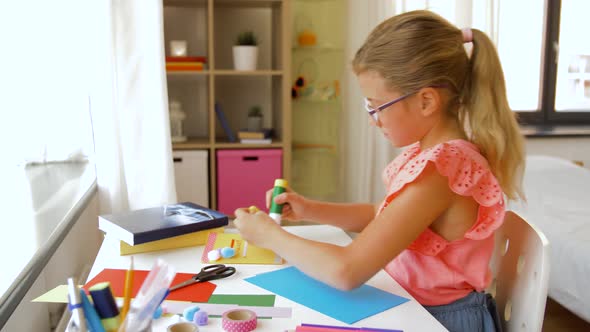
(210,272)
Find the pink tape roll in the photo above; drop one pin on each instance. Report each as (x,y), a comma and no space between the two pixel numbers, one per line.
(238,320)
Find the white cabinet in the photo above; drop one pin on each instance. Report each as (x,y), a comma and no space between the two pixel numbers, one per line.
(191,172)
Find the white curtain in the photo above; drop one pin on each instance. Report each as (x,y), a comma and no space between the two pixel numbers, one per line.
(365,151)
(129,107)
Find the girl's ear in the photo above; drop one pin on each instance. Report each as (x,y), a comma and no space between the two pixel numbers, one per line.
(430,101)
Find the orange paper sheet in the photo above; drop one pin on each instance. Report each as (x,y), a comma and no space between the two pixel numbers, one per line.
(199,292)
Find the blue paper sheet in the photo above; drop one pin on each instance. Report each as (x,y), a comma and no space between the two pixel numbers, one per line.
(345,306)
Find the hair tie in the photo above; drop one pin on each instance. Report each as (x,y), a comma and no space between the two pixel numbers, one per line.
(467,35)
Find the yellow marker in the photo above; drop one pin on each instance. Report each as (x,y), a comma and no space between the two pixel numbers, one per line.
(253,209)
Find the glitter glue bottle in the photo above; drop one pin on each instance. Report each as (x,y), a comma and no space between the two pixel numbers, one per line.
(276,209)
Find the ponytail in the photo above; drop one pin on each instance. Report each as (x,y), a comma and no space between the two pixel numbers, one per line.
(424,46)
(488,118)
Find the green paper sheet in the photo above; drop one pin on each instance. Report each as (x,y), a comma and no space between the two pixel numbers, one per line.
(249,300)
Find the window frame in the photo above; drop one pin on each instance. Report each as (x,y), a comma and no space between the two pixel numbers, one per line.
(547,115)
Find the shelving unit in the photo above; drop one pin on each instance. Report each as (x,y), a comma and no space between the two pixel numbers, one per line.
(317,118)
(210,28)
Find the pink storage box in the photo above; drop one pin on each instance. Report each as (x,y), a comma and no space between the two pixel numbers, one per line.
(244,176)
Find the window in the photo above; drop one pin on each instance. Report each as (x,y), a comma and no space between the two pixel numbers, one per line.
(45,82)
(543,48)
(566,72)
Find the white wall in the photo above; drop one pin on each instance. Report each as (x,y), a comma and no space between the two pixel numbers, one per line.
(574,148)
(74,256)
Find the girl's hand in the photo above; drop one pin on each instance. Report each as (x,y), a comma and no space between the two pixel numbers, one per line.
(294,207)
(257,228)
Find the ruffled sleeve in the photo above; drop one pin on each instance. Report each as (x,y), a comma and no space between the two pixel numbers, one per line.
(468,174)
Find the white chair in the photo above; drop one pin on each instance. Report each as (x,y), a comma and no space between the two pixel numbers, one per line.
(520,270)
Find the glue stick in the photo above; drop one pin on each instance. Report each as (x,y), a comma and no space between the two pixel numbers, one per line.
(276,209)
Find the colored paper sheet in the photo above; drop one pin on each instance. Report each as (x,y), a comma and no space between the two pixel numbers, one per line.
(198,292)
(243,300)
(245,253)
(345,306)
(249,300)
(57,295)
(328,328)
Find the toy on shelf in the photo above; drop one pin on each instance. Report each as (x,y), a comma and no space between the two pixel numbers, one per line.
(177,117)
(306,37)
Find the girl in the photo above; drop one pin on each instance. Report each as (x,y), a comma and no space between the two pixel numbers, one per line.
(434,231)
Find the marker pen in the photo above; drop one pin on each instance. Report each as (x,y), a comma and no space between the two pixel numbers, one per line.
(105,304)
(78,320)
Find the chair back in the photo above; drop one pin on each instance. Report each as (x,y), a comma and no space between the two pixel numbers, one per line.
(520,271)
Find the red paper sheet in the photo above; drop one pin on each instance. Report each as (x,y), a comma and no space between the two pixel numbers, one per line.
(199,292)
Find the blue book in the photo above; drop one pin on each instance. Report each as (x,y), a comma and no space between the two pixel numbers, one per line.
(224,124)
(157,223)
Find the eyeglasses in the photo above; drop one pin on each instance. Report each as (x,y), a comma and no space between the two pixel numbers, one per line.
(373,111)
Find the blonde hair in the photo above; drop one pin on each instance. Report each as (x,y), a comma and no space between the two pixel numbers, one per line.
(418,49)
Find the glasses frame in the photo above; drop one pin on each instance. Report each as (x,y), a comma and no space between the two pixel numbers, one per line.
(373,111)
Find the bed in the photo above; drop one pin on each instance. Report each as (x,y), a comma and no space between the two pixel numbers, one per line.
(558,195)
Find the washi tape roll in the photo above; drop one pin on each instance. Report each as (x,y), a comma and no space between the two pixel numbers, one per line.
(238,320)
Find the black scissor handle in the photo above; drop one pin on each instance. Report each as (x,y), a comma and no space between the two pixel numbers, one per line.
(216,271)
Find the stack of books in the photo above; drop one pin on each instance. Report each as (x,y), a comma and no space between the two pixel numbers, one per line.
(184,63)
(255,137)
(164,227)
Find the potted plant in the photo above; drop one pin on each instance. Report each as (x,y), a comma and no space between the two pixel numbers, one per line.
(255,118)
(246,51)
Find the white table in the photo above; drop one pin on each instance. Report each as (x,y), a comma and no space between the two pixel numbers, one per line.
(409,316)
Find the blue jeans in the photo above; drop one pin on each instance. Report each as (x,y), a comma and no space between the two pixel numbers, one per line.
(476,312)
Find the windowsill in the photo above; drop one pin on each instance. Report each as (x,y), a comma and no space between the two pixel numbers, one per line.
(553,131)
(43,204)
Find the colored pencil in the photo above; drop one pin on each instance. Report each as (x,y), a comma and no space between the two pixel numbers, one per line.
(128,290)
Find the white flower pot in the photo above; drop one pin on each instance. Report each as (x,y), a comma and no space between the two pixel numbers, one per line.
(254,123)
(245,57)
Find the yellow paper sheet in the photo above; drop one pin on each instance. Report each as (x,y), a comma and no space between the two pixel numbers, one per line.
(254,254)
(57,295)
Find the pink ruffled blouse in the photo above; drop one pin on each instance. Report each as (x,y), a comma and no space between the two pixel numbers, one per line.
(432,269)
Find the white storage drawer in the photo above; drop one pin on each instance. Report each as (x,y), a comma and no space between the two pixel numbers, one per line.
(191,172)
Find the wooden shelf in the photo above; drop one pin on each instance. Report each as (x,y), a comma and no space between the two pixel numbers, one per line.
(210,28)
(304,146)
(228,145)
(249,3)
(317,49)
(303,101)
(185,3)
(231,72)
(192,143)
(187,75)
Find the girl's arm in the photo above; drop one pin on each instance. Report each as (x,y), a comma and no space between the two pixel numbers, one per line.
(348,216)
(401,222)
